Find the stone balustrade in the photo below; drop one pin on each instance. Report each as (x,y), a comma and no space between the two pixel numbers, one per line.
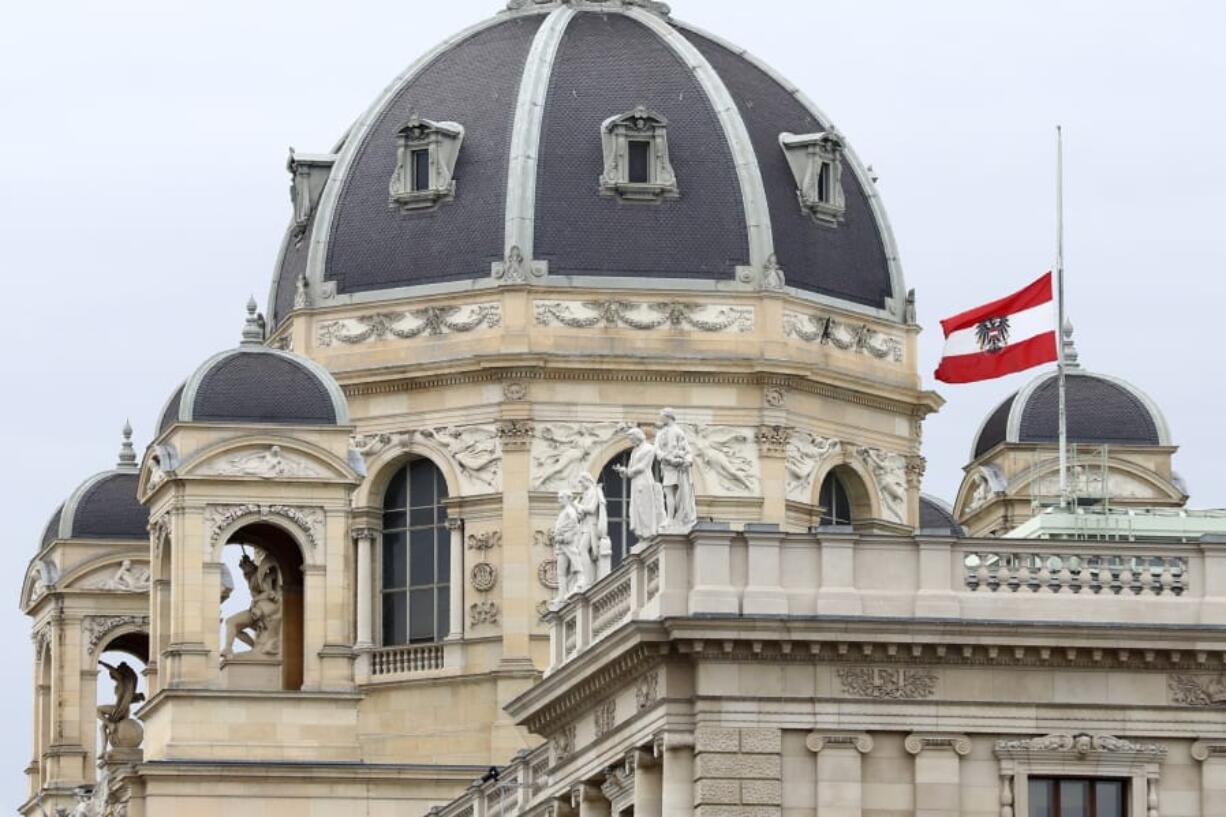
(407,660)
(842,573)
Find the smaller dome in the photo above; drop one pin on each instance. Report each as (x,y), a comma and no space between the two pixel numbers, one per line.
(938,517)
(1102,410)
(255,384)
(104,506)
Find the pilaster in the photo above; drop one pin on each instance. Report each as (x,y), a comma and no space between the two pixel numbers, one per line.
(938,780)
(840,791)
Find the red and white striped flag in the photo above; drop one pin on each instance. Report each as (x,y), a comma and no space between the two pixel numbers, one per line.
(1000,338)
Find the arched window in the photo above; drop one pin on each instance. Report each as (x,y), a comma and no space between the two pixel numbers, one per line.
(835,501)
(416,556)
(617,494)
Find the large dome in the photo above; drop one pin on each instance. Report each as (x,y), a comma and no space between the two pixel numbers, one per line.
(520,109)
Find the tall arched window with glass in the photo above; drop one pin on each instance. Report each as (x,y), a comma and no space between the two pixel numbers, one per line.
(835,502)
(617,494)
(416,556)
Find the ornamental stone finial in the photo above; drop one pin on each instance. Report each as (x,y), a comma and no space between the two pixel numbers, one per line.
(253,328)
(127,452)
(1071,358)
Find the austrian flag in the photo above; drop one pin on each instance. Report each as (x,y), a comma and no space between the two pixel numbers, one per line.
(1003,337)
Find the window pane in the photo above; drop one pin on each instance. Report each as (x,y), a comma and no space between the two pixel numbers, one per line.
(442,564)
(1074,798)
(421,483)
(1110,798)
(421,615)
(1040,798)
(419,517)
(396,497)
(395,520)
(823,183)
(421,557)
(395,561)
(640,160)
(394,620)
(421,170)
(443,611)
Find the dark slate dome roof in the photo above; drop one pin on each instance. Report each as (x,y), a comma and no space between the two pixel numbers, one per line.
(255,384)
(104,506)
(936,515)
(1102,410)
(531,88)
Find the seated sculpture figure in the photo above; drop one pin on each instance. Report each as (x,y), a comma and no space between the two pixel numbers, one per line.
(263,617)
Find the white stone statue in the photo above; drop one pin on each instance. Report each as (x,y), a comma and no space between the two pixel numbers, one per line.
(571,576)
(594,544)
(263,617)
(676,468)
(646,495)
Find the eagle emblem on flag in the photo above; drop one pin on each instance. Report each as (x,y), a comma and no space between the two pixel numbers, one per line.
(993,334)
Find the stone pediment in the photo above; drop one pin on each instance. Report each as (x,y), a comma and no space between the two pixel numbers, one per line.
(266,460)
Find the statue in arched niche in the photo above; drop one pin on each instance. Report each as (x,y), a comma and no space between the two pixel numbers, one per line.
(119,731)
(259,626)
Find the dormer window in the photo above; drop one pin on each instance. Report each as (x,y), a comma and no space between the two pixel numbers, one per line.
(426,155)
(308,174)
(637,167)
(816,160)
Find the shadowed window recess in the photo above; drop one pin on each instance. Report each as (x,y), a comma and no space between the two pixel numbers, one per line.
(416,557)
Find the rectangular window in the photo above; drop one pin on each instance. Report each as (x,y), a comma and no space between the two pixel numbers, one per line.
(823,183)
(421,169)
(1069,797)
(640,161)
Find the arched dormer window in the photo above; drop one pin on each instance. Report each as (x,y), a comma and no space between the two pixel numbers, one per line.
(416,564)
(617,494)
(835,502)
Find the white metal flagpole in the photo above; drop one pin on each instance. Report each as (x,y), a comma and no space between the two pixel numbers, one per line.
(1064,481)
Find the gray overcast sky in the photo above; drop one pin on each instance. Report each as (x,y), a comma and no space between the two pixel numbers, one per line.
(144,194)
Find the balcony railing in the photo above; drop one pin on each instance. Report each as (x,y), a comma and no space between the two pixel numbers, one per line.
(839,573)
(407,660)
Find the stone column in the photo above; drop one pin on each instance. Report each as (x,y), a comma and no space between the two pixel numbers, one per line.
(518,608)
(456,597)
(676,753)
(839,777)
(588,800)
(365,538)
(648,783)
(938,781)
(1212,758)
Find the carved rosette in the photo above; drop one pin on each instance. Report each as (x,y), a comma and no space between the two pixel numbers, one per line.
(484,577)
(515,392)
(774,397)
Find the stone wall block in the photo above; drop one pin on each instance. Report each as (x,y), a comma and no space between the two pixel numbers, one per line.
(716,739)
(738,811)
(717,793)
(742,767)
(762,741)
(762,792)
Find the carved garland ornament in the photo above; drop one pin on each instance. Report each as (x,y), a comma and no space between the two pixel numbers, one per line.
(827,331)
(430,320)
(217,518)
(99,627)
(643,316)
(888,684)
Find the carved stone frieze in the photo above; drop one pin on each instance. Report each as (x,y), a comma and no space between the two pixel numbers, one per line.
(1081,745)
(805,454)
(484,577)
(270,463)
(430,320)
(483,612)
(645,316)
(127,578)
(1192,690)
(917,466)
(890,472)
(859,338)
(888,683)
(727,456)
(647,690)
(217,518)
(97,628)
(561,451)
(476,453)
(605,718)
(564,743)
(371,445)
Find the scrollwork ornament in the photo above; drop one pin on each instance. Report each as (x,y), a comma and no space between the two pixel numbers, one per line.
(99,627)
(485,541)
(483,612)
(882,683)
